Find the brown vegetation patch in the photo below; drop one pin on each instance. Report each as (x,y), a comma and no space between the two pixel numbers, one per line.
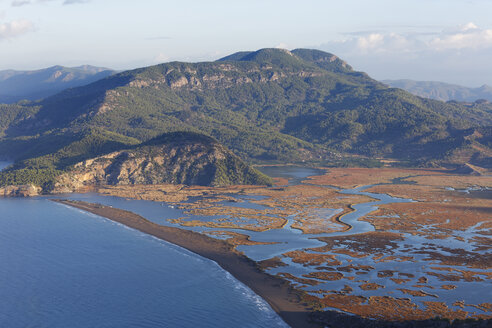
(370,286)
(237,239)
(457,181)
(416,293)
(274,262)
(263,224)
(448,287)
(310,205)
(310,259)
(400,281)
(236,217)
(353,177)
(303,281)
(459,257)
(454,277)
(389,308)
(487,307)
(416,192)
(278,182)
(356,267)
(434,220)
(329,276)
(307,203)
(169,192)
(318,220)
(393,258)
(482,244)
(363,244)
(467,275)
(386,273)
(347,289)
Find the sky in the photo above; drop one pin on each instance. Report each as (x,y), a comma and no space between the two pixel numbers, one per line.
(439,40)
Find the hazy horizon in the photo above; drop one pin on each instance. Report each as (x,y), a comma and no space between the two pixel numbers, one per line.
(388,40)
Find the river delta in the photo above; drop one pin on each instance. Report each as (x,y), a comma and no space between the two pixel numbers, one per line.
(392,244)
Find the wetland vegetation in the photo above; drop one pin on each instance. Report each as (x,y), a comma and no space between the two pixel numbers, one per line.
(432,262)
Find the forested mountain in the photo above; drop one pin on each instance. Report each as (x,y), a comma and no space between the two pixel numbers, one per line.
(266,105)
(443,91)
(38,84)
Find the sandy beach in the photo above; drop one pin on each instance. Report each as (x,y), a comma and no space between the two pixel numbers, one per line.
(283,299)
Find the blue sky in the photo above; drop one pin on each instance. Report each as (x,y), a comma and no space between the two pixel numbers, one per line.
(447,40)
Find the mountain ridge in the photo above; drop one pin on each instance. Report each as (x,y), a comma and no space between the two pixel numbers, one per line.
(443,91)
(16,85)
(269,106)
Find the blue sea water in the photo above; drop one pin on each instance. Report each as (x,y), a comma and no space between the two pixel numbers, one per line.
(4,164)
(63,267)
(60,267)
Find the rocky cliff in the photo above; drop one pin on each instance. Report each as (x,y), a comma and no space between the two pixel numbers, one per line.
(177,158)
(20,191)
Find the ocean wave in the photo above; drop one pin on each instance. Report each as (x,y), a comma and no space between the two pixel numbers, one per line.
(256,300)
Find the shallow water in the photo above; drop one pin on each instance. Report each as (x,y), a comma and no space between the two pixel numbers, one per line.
(4,164)
(288,239)
(295,174)
(61,267)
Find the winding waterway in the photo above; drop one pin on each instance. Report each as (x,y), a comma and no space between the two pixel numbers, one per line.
(63,267)
(286,238)
(289,239)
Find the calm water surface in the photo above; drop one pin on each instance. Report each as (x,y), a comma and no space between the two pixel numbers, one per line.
(4,164)
(61,267)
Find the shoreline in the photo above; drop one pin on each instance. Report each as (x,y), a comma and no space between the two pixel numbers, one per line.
(286,301)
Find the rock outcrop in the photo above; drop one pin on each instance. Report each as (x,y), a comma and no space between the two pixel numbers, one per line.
(176,158)
(20,191)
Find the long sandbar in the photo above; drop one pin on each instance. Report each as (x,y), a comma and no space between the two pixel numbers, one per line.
(282,297)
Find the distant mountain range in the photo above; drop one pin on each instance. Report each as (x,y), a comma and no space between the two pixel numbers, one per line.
(270,105)
(442,91)
(38,84)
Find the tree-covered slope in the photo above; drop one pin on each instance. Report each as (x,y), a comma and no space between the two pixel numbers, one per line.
(270,104)
(177,158)
(99,157)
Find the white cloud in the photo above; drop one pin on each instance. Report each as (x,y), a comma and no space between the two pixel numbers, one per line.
(468,36)
(161,58)
(460,54)
(15,28)
(376,43)
(282,45)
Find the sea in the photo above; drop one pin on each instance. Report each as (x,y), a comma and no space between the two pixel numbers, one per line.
(61,267)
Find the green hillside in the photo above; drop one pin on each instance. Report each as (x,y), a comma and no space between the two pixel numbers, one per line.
(266,105)
(179,157)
